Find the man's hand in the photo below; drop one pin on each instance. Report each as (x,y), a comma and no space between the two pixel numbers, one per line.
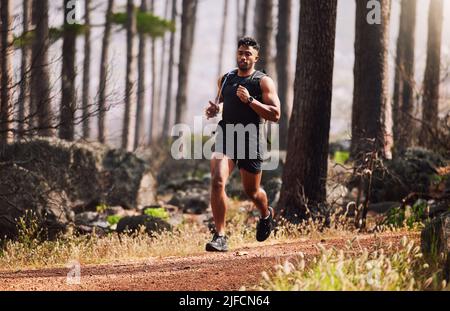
(212,111)
(243,94)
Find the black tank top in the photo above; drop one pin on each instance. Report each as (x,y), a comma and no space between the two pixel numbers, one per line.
(234,110)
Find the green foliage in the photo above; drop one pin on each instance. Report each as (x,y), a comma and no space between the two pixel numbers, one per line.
(157,213)
(409,216)
(101,208)
(147,23)
(113,219)
(341,157)
(55,33)
(25,39)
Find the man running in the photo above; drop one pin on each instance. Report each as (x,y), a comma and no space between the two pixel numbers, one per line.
(249,98)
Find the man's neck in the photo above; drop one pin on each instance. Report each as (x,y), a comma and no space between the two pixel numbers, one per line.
(246,73)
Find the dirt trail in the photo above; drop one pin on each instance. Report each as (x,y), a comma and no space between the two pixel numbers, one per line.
(208,271)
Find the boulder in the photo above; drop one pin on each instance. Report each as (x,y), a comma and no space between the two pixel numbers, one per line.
(414,172)
(22,190)
(273,188)
(89,173)
(435,240)
(133,224)
(193,201)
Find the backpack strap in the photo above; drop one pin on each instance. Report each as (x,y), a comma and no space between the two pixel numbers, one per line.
(224,81)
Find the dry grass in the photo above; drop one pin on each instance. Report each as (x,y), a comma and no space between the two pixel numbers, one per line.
(384,269)
(186,239)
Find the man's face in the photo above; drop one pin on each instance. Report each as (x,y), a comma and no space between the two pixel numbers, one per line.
(247,57)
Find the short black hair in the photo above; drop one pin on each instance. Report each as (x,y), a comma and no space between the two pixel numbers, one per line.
(250,42)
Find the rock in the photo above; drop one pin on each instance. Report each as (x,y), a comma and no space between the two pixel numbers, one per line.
(152,224)
(437,208)
(414,172)
(436,241)
(194,201)
(184,184)
(273,188)
(22,190)
(86,218)
(382,207)
(336,193)
(175,215)
(181,170)
(90,174)
(234,187)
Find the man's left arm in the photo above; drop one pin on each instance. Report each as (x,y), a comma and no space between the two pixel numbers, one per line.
(269,109)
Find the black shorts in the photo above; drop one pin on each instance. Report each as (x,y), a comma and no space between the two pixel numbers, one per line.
(246,150)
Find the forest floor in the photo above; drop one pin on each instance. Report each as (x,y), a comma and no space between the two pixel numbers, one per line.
(200,272)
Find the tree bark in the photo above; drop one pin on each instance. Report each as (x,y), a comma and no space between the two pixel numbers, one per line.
(431,82)
(403,103)
(370,94)
(240,18)
(245,18)
(305,171)
(264,35)
(68,74)
(283,63)
(222,37)
(24,96)
(130,78)
(169,106)
(163,66)
(140,109)
(41,111)
(154,112)
(86,103)
(6,73)
(187,41)
(103,73)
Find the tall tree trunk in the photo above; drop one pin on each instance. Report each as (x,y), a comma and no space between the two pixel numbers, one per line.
(130,79)
(222,37)
(370,94)
(431,82)
(245,18)
(284,66)
(154,113)
(403,104)
(163,65)
(40,76)
(264,35)
(140,109)
(169,97)
(86,103)
(6,73)
(239,16)
(104,73)
(188,21)
(24,96)
(68,101)
(305,171)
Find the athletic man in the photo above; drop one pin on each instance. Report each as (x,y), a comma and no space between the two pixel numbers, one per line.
(249,97)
